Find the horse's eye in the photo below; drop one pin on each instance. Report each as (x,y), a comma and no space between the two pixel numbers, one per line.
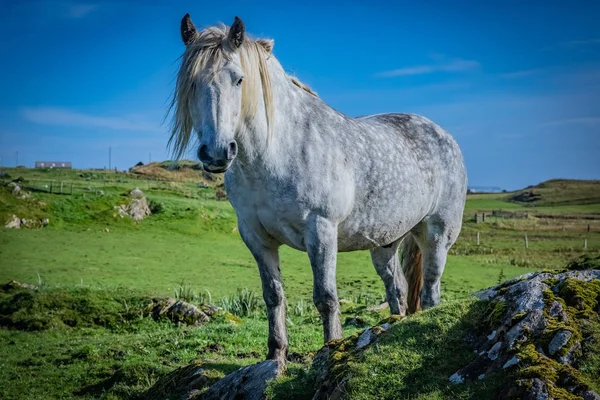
(239,82)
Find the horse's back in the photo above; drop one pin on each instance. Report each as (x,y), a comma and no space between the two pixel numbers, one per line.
(433,147)
(413,169)
(436,150)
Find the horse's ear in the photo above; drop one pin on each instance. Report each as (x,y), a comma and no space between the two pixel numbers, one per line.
(267,44)
(236,34)
(188,30)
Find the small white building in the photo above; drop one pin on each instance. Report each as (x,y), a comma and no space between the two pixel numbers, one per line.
(53,164)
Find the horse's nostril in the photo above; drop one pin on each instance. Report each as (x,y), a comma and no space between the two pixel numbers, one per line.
(203,154)
(231,150)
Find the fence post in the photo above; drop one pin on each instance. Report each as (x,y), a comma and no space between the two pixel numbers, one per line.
(51,182)
(585,244)
(61,187)
(477,238)
(526,242)
(71,188)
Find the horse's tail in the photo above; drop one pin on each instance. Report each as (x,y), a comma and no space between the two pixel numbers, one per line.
(412,265)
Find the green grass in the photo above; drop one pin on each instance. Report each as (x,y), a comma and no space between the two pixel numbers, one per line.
(155,261)
(96,342)
(410,361)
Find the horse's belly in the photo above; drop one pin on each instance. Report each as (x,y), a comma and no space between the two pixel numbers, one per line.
(357,236)
(370,226)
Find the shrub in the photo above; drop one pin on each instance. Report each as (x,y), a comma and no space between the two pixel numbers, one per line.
(156,207)
(244,303)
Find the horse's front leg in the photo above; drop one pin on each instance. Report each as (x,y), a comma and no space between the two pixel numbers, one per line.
(267,258)
(321,245)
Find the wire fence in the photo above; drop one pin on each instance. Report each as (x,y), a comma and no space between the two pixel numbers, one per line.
(75,187)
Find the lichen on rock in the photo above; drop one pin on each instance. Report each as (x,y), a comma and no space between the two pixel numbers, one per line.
(533,331)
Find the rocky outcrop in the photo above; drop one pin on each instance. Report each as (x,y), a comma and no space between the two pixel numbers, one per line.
(137,208)
(17,223)
(535,334)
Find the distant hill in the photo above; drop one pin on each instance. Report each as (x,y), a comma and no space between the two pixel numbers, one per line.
(182,170)
(559,192)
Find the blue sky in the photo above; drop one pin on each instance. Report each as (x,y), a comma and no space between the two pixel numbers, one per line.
(517,83)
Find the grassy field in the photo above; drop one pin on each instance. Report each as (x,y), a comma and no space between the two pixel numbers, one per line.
(191,242)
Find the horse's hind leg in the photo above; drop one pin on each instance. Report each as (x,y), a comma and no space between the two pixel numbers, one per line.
(435,236)
(387,265)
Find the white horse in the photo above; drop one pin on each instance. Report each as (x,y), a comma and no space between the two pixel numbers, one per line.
(300,173)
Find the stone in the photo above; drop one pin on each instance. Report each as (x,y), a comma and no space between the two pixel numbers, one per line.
(137,209)
(513,361)
(538,390)
(136,193)
(16,190)
(248,383)
(456,378)
(494,351)
(559,341)
(556,309)
(590,395)
(366,338)
(14,222)
(178,311)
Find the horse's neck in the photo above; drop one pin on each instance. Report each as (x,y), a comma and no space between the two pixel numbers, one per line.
(294,109)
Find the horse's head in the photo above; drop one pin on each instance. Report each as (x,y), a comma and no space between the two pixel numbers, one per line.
(210,96)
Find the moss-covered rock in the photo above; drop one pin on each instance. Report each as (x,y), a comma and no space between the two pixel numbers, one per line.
(181,312)
(536,327)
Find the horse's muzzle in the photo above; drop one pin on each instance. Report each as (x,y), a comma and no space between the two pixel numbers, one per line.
(217,160)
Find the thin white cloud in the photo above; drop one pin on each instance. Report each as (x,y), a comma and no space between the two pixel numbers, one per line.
(66,117)
(80,10)
(453,65)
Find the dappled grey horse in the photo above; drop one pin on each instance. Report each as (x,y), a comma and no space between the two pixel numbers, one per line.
(302,174)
